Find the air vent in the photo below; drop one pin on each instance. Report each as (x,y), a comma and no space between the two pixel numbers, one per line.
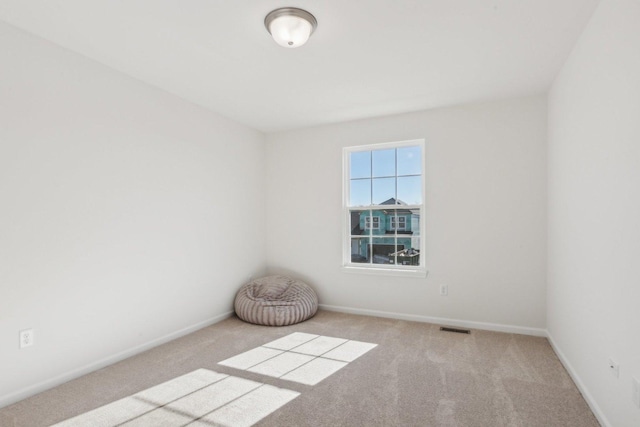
(457,330)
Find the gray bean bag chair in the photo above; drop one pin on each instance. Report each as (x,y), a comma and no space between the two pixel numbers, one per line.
(276,301)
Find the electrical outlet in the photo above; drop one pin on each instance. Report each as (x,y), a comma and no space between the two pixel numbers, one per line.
(444,290)
(614,368)
(635,395)
(26,338)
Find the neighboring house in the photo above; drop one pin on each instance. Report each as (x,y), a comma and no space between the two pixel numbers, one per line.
(386,233)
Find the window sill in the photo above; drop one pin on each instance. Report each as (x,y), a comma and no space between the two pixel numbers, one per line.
(381,271)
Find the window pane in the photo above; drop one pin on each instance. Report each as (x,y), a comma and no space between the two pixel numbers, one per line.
(384,189)
(398,221)
(414,226)
(382,250)
(371,223)
(384,163)
(415,242)
(409,161)
(357,223)
(378,222)
(407,255)
(360,250)
(410,190)
(360,192)
(393,256)
(360,164)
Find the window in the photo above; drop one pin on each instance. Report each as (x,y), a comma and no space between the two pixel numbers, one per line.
(371,222)
(401,221)
(384,208)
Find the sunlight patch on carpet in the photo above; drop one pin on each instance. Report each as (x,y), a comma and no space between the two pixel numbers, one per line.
(300,357)
(199,398)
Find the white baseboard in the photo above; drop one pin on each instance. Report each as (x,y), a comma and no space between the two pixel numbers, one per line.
(109,360)
(576,379)
(440,320)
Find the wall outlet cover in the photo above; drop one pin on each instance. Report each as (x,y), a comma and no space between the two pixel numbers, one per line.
(26,338)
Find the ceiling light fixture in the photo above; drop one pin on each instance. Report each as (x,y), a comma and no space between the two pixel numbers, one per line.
(290,26)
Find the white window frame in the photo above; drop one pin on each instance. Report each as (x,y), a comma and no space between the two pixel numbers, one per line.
(372,223)
(402,225)
(381,269)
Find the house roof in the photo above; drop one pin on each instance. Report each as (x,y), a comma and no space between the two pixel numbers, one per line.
(397,202)
(393,201)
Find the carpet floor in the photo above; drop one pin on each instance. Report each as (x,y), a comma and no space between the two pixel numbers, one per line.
(403,374)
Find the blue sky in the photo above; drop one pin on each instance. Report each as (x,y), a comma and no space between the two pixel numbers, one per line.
(375,174)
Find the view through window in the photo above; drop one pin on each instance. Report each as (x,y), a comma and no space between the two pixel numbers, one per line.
(384,205)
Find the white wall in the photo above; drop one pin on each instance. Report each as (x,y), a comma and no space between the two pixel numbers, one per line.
(486,213)
(594,210)
(126,214)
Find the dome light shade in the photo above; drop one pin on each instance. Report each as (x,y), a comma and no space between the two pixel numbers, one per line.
(289,26)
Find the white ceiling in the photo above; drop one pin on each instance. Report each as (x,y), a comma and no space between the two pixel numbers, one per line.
(367,57)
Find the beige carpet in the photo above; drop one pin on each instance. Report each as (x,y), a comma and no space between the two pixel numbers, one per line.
(416,375)
(201,398)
